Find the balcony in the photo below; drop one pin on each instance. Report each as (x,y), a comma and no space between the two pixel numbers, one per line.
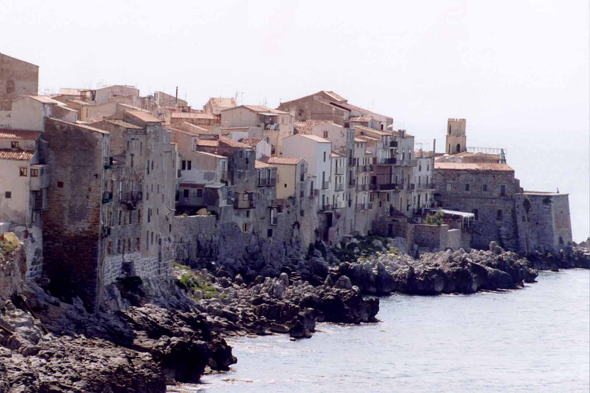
(392,144)
(131,199)
(369,206)
(361,206)
(361,168)
(409,162)
(387,161)
(39,177)
(261,182)
(386,186)
(271,182)
(325,185)
(326,208)
(362,187)
(370,168)
(224,176)
(352,182)
(108,162)
(274,220)
(339,187)
(340,170)
(412,186)
(338,205)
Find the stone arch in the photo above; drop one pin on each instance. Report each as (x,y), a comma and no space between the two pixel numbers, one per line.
(458,148)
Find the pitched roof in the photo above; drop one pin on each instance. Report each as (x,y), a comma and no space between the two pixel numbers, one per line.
(314,138)
(461,166)
(78,125)
(143,116)
(306,127)
(282,160)
(261,164)
(372,130)
(361,119)
(335,96)
(232,143)
(336,154)
(14,154)
(193,115)
(259,109)
(360,140)
(210,154)
(19,134)
(124,124)
(46,100)
(251,141)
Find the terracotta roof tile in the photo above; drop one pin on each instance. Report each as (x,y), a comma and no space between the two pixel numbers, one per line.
(14,154)
(282,160)
(460,166)
(251,141)
(232,143)
(19,134)
(185,115)
(315,138)
(261,164)
(305,127)
(208,142)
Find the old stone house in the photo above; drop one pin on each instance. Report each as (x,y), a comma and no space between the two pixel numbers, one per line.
(17,78)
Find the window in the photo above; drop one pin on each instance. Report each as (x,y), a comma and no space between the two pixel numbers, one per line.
(118,246)
(139,216)
(120,216)
(152,165)
(22,171)
(138,244)
(183,165)
(14,144)
(324,156)
(110,248)
(185,193)
(245,227)
(476,214)
(420,167)
(128,245)
(147,240)
(189,165)
(8,194)
(485,188)
(269,233)
(34,172)
(60,184)
(325,135)
(467,188)
(502,190)
(152,238)
(449,187)
(199,193)
(499,215)
(248,213)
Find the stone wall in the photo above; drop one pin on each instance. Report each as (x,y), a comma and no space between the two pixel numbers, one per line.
(496,220)
(432,237)
(17,78)
(543,221)
(73,256)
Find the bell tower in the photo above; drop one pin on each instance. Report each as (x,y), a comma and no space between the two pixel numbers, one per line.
(456,138)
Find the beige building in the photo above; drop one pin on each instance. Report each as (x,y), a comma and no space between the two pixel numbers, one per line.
(456,137)
(28,113)
(218,104)
(290,176)
(17,78)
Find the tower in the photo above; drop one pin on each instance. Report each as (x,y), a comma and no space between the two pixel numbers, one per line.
(456,138)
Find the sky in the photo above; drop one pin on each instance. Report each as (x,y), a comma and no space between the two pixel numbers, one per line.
(517,70)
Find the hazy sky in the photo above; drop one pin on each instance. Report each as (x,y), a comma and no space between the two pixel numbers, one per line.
(517,70)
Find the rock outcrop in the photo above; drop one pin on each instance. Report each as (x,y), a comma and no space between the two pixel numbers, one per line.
(442,272)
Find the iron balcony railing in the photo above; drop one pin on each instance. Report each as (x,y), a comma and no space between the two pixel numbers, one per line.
(325,185)
(361,168)
(339,187)
(107,197)
(261,182)
(387,161)
(326,207)
(340,170)
(352,182)
(362,187)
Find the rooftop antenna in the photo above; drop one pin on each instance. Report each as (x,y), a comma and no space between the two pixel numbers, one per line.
(176,102)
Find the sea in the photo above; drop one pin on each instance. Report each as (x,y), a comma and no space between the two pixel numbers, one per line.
(534,339)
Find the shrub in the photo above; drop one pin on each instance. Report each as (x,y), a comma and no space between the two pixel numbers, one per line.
(436,219)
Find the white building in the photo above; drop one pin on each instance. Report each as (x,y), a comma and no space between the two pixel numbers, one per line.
(318,154)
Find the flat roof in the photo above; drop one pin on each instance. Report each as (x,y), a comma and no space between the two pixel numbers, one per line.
(462,166)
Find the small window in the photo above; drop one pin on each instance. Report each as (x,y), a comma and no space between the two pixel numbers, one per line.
(199,193)
(324,156)
(138,244)
(183,165)
(246,226)
(128,245)
(269,233)
(189,165)
(499,215)
(8,194)
(467,188)
(22,171)
(476,214)
(449,187)
(185,193)
(485,188)
(248,213)
(502,191)
(14,144)
(34,172)
(285,185)
(110,248)
(326,134)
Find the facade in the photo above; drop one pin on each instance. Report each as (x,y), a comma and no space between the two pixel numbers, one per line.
(17,78)
(424,182)
(216,105)
(28,113)
(486,190)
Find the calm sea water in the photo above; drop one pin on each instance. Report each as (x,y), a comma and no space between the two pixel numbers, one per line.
(530,340)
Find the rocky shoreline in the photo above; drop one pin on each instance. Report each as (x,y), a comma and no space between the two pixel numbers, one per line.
(152,334)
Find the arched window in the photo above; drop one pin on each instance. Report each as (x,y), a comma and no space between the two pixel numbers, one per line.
(458,148)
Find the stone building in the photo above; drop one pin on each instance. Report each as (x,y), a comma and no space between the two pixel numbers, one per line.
(78,157)
(423,193)
(217,104)
(543,221)
(486,190)
(17,78)
(456,138)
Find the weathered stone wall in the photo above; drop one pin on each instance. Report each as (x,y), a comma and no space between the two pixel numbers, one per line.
(543,221)
(432,237)
(484,198)
(13,268)
(73,257)
(17,78)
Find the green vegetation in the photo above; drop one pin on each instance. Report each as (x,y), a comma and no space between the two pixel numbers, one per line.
(7,247)
(435,219)
(194,282)
(179,266)
(365,247)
